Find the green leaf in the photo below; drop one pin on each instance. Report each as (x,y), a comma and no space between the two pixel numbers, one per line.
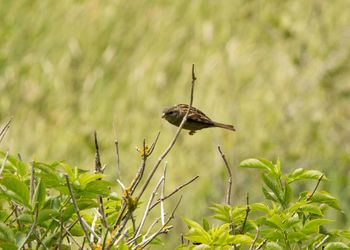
(257,163)
(47,214)
(304,174)
(313,225)
(15,189)
(6,234)
(336,246)
(273,185)
(196,232)
(273,246)
(39,195)
(326,198)
(14,164)
(86,178)
(25,218)
(206,226)
(269,195)
(82,204)
(240,239)
(259,207)
(49,174)
(98,187)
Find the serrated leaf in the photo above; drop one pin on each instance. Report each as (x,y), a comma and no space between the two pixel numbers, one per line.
(257,163)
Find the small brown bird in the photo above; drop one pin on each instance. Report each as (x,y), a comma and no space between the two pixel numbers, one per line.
(196,119)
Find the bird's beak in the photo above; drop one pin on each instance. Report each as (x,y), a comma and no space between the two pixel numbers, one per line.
(163,115)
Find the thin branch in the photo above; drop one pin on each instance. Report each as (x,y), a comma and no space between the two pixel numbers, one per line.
(32,181)
(151,226)
(164,229)
(261,244)
(99,169)
(32,227)
(322,242)
(5,129)
(175,191)
(246,214)
(4,162)
(229,186)
(314,191)
(77,211)
(116,143)
(162,190)
(98,166)
(255,239)
(147,209)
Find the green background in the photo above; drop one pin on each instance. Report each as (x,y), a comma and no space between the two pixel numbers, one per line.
(278,70)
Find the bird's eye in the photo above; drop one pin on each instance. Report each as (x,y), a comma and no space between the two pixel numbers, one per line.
(171,112)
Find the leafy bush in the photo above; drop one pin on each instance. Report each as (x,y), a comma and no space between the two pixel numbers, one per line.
(288,222)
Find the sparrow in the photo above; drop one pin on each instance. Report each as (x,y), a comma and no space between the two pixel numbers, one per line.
(196,119)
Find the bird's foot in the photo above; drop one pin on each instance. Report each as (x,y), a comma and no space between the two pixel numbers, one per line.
(192,132)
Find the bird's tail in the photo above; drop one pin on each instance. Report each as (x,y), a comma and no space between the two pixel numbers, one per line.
(225,126)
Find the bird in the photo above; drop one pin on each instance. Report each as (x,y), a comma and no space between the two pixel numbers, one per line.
(196,119)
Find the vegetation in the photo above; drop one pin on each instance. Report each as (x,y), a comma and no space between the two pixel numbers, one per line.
(289,222)
(278,70)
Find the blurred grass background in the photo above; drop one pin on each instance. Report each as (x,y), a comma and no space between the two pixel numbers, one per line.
(278,70)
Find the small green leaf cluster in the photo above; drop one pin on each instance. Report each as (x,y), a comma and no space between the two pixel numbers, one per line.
(282,221)
(36,207)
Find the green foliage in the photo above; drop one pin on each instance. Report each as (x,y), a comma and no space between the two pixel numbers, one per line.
(49,206)
(283,221)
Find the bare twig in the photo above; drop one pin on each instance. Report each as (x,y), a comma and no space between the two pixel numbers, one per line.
(32,181)
(255,239)
(261,244)
(5,129)
(151,226)
(98,166)
(314,191)
(175,191)
(162,190)
(116,143)
(322,242)
(156,165)
(246,214)
(32,227)
(77,211)
(99,169)
(4,162)
(147,209)
(229,186)
(164,229)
